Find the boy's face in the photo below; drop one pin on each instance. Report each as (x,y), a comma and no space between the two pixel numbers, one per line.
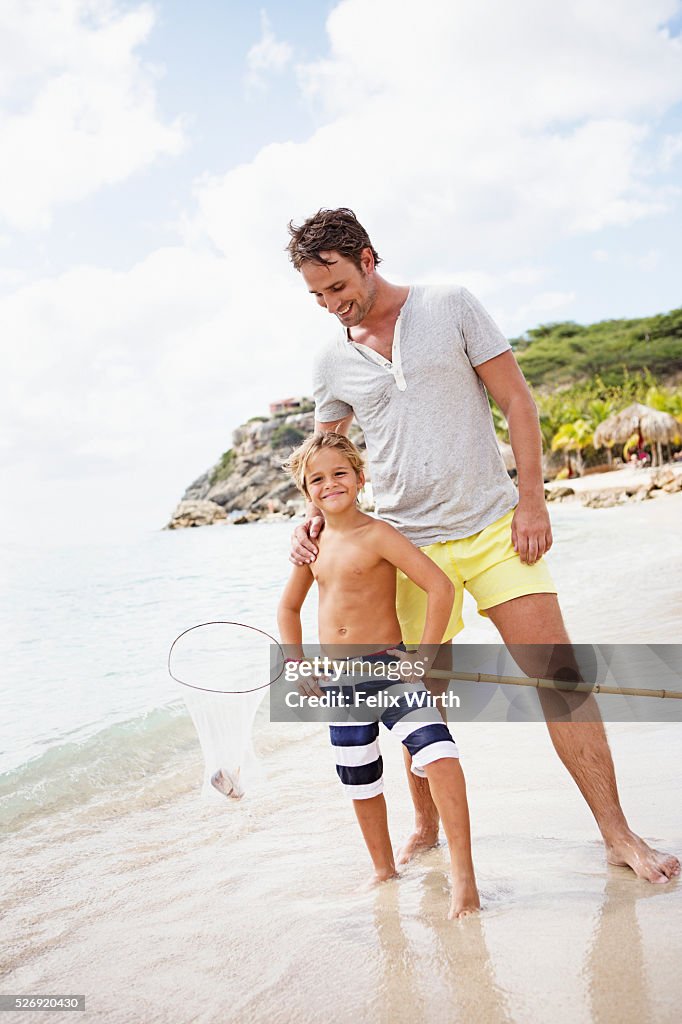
(331,481)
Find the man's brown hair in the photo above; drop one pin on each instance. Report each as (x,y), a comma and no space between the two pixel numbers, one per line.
(329,231)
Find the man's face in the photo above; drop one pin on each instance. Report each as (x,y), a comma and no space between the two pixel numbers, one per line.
(341,287)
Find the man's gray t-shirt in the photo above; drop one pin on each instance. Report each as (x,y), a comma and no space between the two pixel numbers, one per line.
(437,472)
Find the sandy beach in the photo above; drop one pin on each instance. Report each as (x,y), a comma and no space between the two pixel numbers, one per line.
(624,478)
(254,913)
(163,908)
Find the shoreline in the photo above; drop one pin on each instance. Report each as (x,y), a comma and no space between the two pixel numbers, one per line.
(257,885)
(596,490)
(144,897)
(618,487)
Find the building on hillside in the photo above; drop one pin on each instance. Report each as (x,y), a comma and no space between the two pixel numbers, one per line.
(287,405)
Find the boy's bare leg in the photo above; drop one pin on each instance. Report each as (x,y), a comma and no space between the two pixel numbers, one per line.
(373,821)
(446,781)
(581,744)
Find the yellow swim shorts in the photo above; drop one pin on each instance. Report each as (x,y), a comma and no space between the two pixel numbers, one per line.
(486,564)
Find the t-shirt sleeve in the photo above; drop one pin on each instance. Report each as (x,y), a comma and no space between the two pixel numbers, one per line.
(328,408)
(483,339)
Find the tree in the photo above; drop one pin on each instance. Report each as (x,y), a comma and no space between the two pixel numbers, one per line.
(573,437)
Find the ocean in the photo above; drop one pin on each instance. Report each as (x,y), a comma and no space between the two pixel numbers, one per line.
(87,698)
(126,881)
(87,629)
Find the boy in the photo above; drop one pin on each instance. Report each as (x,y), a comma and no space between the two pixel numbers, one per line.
(356,576)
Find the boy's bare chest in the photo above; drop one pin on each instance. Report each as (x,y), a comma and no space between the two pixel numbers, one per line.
(344,563)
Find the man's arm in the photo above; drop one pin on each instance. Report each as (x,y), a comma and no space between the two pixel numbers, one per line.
(531,528)
(338,426)
(303,548)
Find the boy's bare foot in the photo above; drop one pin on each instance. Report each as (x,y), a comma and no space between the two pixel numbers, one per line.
(629,851)
(420,840)
(227,784)
(464,900)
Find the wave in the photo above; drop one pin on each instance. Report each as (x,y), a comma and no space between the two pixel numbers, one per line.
(119,756)
(140,762)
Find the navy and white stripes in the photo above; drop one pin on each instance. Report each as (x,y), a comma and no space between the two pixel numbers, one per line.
(359,764)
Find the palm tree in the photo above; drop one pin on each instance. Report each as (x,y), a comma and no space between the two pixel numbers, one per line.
(665,400)
(573,437)
(599,409)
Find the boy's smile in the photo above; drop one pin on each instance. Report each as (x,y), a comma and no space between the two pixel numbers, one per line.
(331,481)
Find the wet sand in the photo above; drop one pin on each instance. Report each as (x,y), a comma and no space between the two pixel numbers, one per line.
(165,909)
(259,911)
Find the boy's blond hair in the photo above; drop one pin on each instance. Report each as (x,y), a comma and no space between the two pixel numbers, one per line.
(298,460)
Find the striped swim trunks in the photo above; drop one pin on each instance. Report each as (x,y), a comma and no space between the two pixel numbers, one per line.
(419,726)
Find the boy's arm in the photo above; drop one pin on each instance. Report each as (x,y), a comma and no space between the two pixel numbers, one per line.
(440,592)
(289,610)
(289,622)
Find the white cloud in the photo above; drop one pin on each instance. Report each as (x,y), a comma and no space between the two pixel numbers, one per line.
(540,308)
(469,138)
(469,134)
(529,63)
(671,150)
(141,375)
(268,56)
(78,104)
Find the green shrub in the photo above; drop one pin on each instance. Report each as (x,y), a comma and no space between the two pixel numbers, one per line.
(224,467)
(286,436)
(566,353)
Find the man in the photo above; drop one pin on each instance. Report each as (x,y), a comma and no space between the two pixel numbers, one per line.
(413,366)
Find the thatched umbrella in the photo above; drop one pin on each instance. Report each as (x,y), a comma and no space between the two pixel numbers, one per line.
(651,425)
(507,454)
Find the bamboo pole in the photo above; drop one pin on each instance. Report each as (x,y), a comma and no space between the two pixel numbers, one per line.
(535,683)
(549,684)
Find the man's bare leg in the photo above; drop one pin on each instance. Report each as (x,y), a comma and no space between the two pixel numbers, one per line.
(581,743)
(373,821)
(446,780)
(426,818)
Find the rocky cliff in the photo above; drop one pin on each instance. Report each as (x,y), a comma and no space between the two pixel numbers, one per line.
(248,483)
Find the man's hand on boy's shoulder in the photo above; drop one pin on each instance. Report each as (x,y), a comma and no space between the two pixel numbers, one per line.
(303,549)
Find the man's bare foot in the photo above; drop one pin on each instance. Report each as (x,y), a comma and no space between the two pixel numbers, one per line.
(420,840)
(384,875)
(227,784)
(464,900)
(632,852)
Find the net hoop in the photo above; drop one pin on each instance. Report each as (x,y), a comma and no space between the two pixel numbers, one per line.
(208,689)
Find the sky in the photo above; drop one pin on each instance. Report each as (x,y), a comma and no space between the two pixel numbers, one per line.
(152,154)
